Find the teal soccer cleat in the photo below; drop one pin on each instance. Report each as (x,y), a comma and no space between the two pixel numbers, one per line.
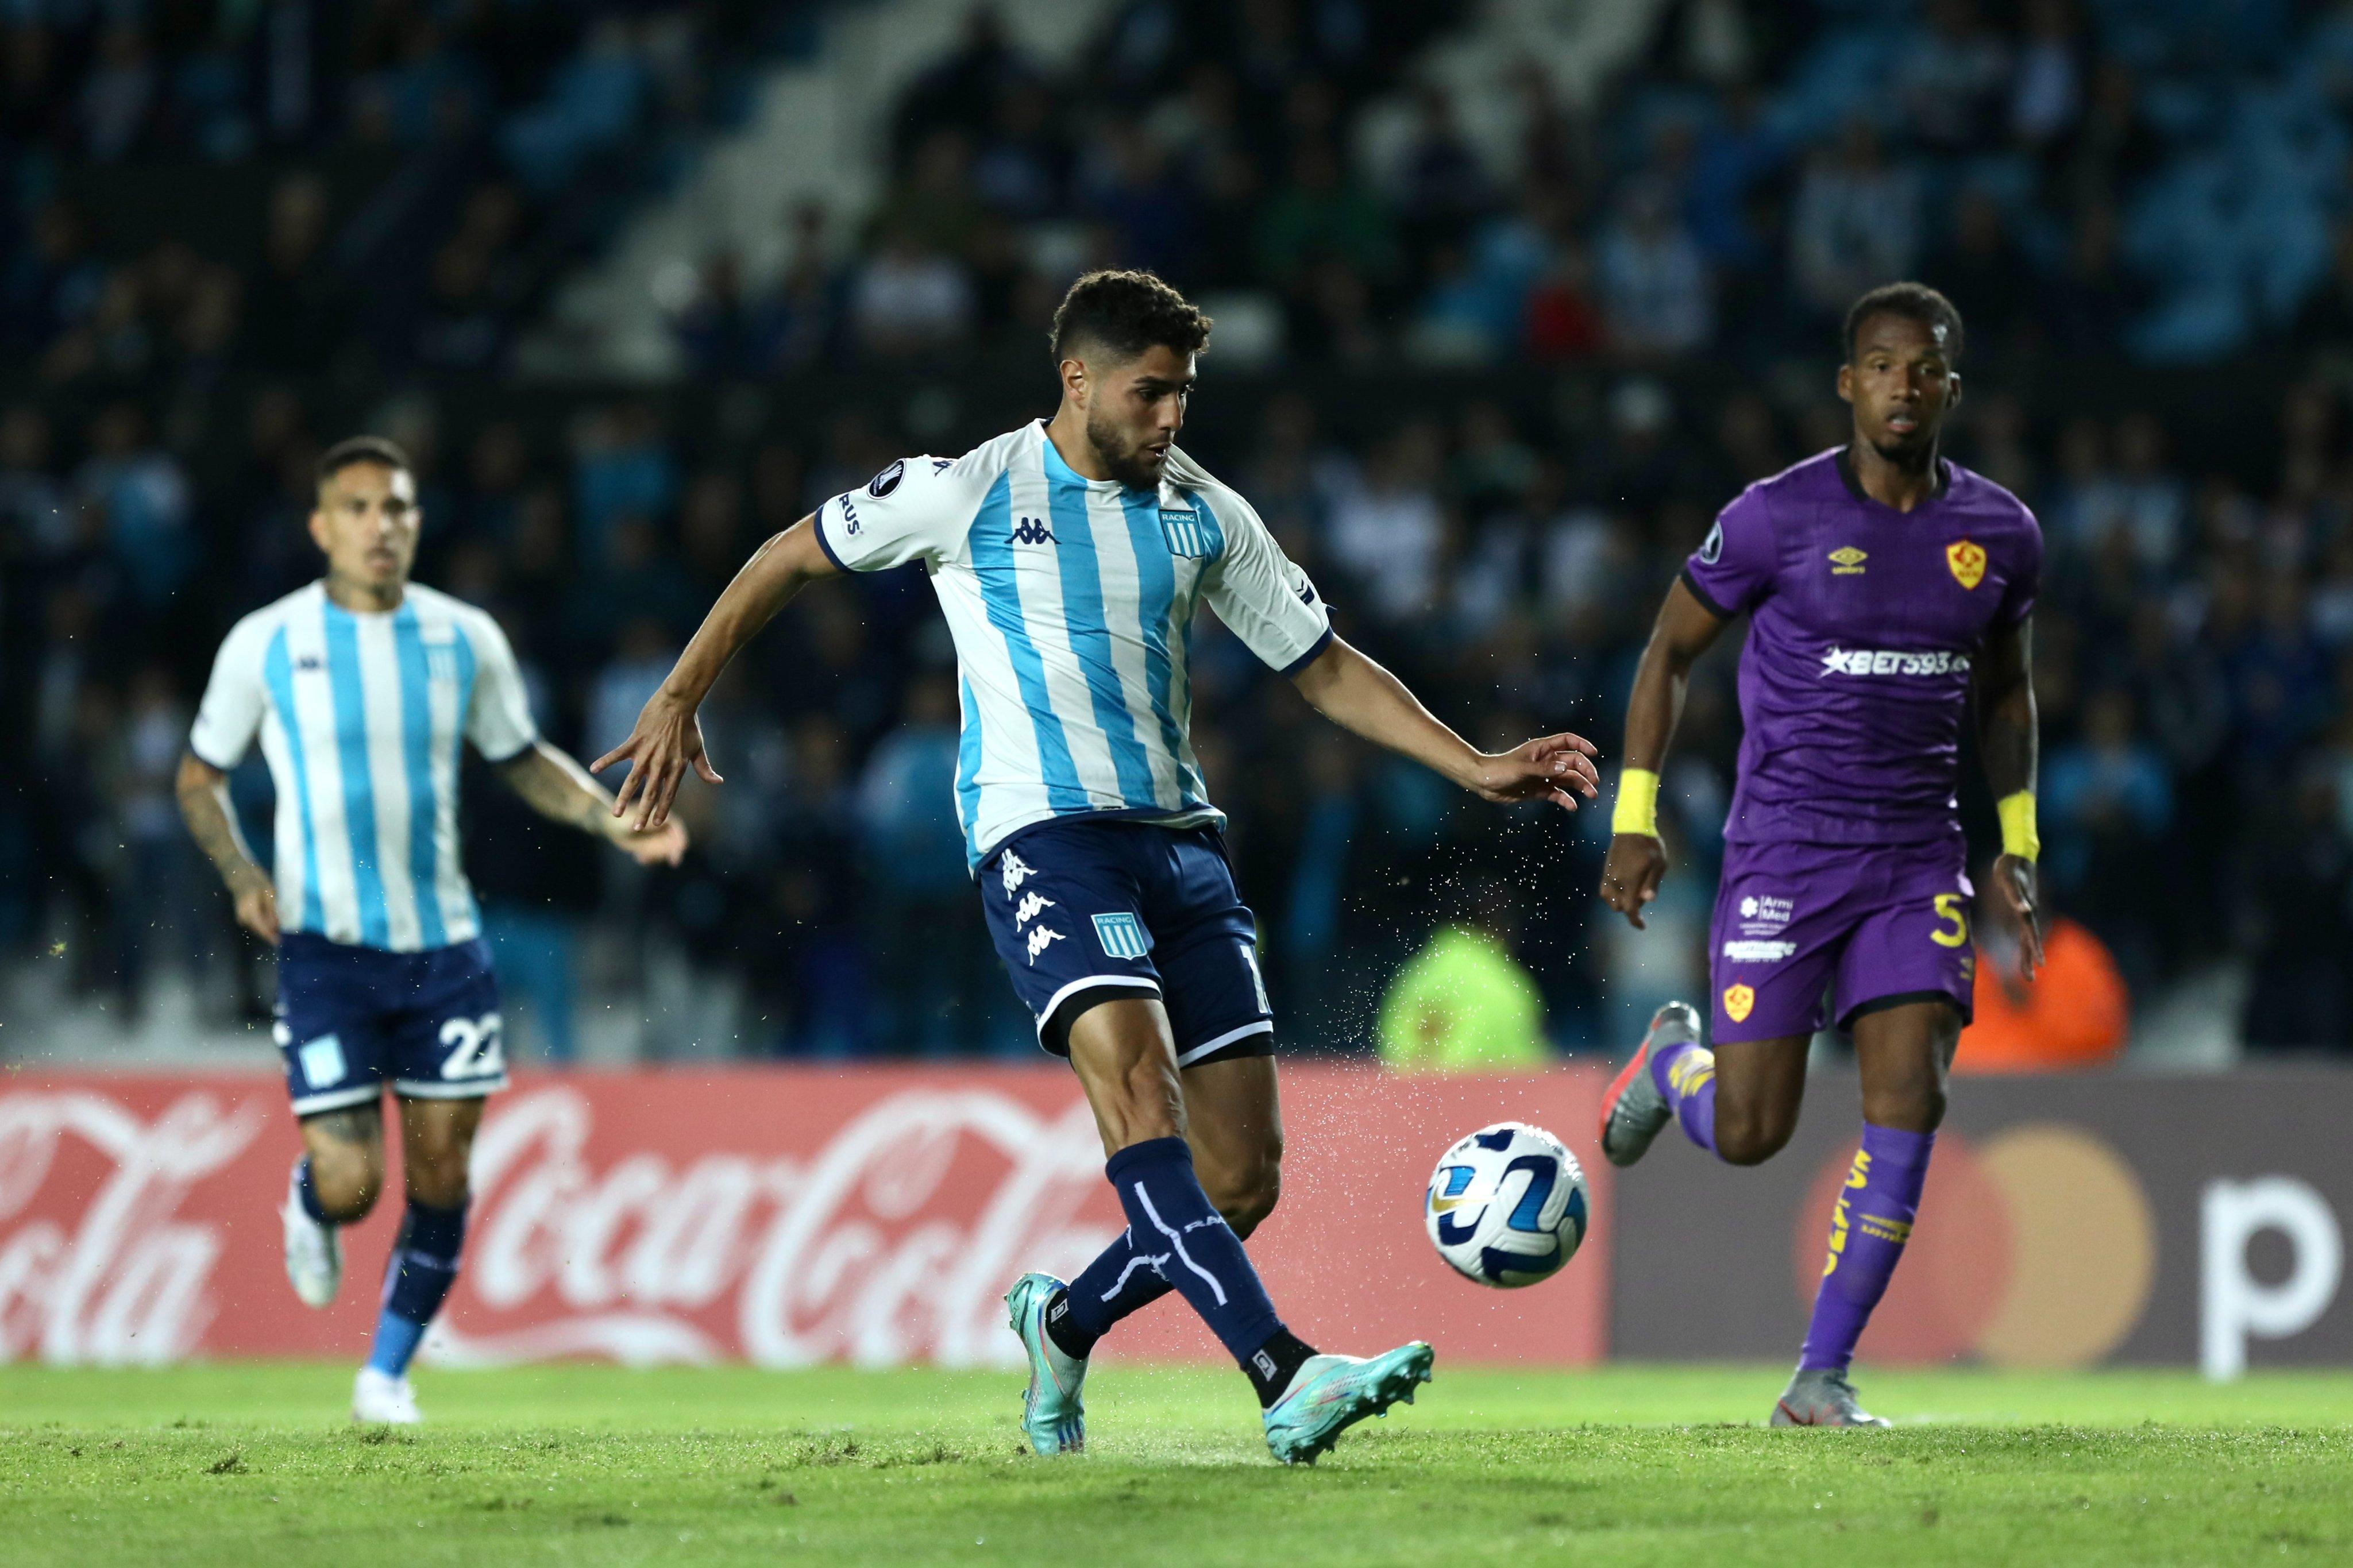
(1331,1393)
(1050,1411)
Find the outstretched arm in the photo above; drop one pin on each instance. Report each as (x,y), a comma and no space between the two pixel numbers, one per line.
(668,739)
(559,789)
(2007,737)
(202,790)
(1638,861)
(1360,696)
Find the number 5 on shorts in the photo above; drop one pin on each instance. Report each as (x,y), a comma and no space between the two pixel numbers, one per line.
(1948,907)
(479,1051)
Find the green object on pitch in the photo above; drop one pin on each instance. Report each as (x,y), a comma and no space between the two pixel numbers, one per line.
(240,1464)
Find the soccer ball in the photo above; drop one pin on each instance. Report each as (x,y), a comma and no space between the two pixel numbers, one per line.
(1506,1206)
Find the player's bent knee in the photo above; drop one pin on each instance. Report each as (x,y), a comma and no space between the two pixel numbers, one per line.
(1906,1108)
(347,1186)
(1751,1140)
(1245,1196)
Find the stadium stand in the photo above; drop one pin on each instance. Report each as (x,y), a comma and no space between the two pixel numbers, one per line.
(1496,340)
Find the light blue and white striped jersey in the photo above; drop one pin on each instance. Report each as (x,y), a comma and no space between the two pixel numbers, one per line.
(360,717)
(1071,603)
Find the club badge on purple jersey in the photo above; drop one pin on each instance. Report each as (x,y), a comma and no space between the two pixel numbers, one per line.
(1866,622)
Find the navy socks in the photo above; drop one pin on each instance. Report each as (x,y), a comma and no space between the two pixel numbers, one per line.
(1176,1240)
(416,1282)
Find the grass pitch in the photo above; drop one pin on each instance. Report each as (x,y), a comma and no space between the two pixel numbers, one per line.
(253,1465)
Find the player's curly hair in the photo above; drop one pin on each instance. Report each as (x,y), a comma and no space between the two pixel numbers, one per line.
(1914,302)
(361,450)
(1128,312)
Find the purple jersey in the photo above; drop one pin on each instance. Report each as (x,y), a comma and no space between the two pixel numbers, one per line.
(1866,622)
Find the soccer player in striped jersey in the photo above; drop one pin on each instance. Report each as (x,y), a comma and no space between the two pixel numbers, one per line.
(1068,557)
(360,688)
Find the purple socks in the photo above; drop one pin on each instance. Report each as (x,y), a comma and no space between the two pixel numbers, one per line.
(1868,1230)
(1686,1075)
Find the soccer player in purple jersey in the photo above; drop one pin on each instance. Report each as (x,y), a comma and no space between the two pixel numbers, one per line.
(1885,587)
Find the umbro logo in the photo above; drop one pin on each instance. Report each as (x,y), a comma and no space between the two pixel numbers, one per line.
(1033,531)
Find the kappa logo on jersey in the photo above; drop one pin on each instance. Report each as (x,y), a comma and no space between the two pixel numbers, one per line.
(1040,939)
(1967,562)
(1184,532)
(1033,531)
(1738,1002)
(884,483)
(1033,904)
(1711,549)
(1847,562)
(1123,935)
(1895,661)
(309,661)
(1015,872)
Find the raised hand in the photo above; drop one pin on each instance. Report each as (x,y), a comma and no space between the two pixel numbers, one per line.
(667,741)
(1557,768)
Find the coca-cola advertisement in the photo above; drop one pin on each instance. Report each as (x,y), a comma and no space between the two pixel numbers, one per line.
(781,1216)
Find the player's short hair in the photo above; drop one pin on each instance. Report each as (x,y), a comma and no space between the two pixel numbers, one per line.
(360,449)
(1127,313)
(1914,302)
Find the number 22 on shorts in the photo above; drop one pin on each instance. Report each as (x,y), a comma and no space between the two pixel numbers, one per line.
(1949,908)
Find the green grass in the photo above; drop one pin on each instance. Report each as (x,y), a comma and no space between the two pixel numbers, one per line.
(250,1465)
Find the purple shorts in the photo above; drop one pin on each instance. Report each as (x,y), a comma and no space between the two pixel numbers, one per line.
(1806,935)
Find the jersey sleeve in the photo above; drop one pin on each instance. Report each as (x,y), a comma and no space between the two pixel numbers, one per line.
(2025,584)
(918,508)
(1733,568)
(1259,592)
(499,718)
(234,697)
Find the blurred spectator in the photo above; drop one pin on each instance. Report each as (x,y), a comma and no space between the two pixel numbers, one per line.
(1463,1004)
(2074,1013)
(1656,296)
(1856,222)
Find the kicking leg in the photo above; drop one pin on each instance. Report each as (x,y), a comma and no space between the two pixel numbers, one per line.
(1905,1052)
(334,1184)
(1739,1102)
(437,1139)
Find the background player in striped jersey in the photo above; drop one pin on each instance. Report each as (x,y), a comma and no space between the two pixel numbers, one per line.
(360,688)
(1069,557)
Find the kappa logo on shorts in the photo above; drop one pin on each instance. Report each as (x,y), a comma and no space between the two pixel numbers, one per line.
(1040,939)
(1739,1001)
(1123,935)
(1033,904)
(1015,871)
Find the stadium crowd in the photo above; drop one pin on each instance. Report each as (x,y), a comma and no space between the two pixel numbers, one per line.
(1588,333)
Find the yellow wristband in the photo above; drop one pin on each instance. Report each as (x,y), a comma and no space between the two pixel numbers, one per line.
(1637,803)
(2018,835)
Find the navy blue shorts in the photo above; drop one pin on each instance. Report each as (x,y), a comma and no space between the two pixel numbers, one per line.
(1094,906)
(351,1019)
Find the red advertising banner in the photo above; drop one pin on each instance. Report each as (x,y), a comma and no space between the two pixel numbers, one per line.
(780,1215)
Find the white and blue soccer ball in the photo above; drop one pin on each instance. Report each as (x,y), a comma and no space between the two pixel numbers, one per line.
(1507,1206)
